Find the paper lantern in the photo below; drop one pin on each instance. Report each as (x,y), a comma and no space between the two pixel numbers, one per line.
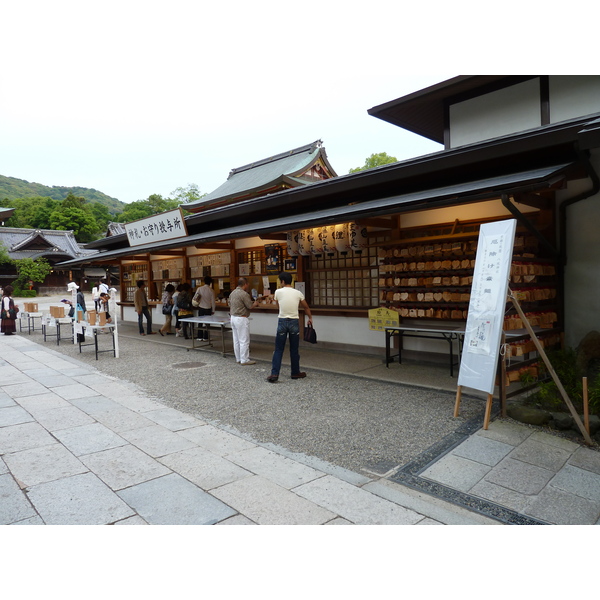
(358,237)
(326,236)
(303,243)
(292,243)
(314,240)
(342,241)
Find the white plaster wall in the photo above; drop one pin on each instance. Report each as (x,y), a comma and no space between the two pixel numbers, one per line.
(509,110)
(340,330)
(573,96)
(478,210)
(582,271)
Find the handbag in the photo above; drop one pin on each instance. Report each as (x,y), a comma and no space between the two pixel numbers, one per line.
(310,335)
(167,309)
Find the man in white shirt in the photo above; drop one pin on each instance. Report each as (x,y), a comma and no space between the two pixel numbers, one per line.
(289,300)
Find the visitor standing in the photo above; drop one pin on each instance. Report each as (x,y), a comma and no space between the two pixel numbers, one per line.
(204,301)
(140,301)
(240,304)
(289,300)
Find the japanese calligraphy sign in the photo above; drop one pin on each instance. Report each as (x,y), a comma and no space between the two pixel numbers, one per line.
(479,360)
(380,318)
(157,228)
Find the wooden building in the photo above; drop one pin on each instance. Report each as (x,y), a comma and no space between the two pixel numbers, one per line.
(403,236)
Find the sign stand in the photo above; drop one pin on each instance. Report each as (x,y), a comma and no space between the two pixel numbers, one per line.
(488,406)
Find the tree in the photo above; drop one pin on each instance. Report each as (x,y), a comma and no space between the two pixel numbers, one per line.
(186,195)
(153,205)
(29,269)
(375,160)
(80,221)
(31,213)
(5,259)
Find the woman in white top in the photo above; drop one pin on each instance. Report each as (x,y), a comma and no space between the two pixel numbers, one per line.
(8,326)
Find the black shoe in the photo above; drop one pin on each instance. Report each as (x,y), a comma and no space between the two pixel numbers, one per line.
(299,376)
(272,378)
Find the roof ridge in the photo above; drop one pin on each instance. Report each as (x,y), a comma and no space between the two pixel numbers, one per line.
(306,148)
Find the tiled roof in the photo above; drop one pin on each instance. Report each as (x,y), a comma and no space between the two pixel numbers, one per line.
(35,243)
(265,174)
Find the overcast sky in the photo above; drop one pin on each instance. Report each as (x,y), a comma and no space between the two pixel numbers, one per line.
(134,98)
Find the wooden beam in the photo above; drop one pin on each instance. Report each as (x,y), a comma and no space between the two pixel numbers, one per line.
(170,253)
(216,245)
(534,200)
(282,237)
(377,222)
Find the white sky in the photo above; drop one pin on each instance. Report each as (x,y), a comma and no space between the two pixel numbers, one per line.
(134,98)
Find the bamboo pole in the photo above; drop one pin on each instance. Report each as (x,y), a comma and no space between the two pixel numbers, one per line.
(559,385)
(586,408)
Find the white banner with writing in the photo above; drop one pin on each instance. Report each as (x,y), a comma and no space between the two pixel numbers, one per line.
(481,348)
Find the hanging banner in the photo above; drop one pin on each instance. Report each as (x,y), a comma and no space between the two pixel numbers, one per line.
(487,305)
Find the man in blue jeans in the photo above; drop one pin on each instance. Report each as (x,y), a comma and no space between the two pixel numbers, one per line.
(288,299)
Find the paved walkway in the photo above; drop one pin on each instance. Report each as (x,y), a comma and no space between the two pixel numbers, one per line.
(81,447)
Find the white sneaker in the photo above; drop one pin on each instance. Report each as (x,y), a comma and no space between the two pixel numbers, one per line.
(248,362)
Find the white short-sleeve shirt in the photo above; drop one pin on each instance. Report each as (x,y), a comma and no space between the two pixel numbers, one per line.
(288,299)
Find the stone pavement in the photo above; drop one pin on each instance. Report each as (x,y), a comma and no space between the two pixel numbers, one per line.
(81,447)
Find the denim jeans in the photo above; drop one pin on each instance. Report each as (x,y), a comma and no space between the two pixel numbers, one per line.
(287,327)
(145,313)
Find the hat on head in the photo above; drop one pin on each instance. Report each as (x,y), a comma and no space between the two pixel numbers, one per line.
(64,300)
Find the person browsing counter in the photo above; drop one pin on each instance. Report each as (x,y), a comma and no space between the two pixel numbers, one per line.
(204,301)
(240,304)
(289,300)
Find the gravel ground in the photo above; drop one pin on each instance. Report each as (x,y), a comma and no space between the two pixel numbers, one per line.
(349,421)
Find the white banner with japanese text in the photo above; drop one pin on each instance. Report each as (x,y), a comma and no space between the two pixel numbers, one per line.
(483,334)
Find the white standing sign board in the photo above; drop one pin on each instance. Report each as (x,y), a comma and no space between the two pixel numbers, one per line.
(487,305)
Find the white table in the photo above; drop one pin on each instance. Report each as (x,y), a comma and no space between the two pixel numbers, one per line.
(222,323)
(95,329)
(58,323)
(31,317)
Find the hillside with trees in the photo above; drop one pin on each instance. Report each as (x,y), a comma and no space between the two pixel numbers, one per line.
(12,188)
(87,218)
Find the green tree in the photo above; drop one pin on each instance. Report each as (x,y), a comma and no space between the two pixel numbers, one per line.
(186,195)
(79,220)
(375,160)
(29,269)
(5,259)
(102,216)
(153,205)
(31,213)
